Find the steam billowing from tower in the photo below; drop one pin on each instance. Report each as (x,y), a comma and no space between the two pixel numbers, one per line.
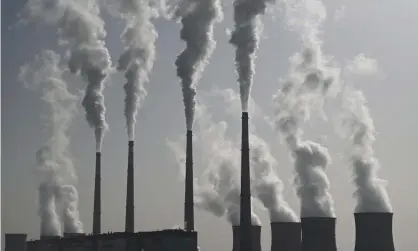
(198,19)
(54,164)
(245,38)
(370,191)
(80,26)
(137,59)
(266,184)
(305,89)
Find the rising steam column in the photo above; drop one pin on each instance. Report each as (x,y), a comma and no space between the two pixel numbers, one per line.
(245,202)
(130,207)
(97,211)
(188,189)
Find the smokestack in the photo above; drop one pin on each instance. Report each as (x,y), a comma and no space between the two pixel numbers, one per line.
(255,238)
(286,236)
(374,232)
(318,234)
(97,196)
(188,193)
(245,202)
(15,242)
(130,215)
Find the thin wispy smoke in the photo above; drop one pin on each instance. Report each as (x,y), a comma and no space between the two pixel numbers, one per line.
(245,37)
(370,191)
(81,27)
(54,164)
(309,81)
(198,19)
(267,186)
(363,65)
(137,59)
(233,213)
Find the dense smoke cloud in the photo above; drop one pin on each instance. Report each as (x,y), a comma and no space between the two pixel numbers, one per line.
(267,186)
(81,27)
(370,191)
(245,37)
(309,81)
(198,19)
(54,164)
(137,59)
(50,224)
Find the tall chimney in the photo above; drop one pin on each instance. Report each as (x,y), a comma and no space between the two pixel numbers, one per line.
(130,215)
(255,238)
(15,242)
(97,211)
(188,186)
(374,232)
(245,202)
(318,234)
(286,236)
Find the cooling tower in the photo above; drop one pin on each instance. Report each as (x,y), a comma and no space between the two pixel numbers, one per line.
(374,232)
(188,186)
(130,205)
(97,196)
(255,238)
(15,242)
(286,236)
(245,199)
(318,234)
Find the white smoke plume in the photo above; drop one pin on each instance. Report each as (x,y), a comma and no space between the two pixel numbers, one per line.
(69,197)
(54,164)
(370,191)
(267,186)
(137,59)
(81,27)
(363,65)
(233,213)
(309,81)
(198,18)
(50,224)
(245,37)
(217,189)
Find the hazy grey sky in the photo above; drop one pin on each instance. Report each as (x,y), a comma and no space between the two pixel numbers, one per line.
(381,29)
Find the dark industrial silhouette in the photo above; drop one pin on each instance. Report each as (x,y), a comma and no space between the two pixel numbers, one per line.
(130,187)
(245,198)
(374,232)
(285,236)
(318,234)
(188,186)
(97,210)
(255,238)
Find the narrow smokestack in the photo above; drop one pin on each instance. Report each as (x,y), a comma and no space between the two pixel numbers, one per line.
(286,236)
(97,211)
(255,238)
(374,232)
(318,234)
(188,189)
(245,202)
(130,215)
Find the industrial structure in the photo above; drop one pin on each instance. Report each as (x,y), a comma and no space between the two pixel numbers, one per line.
(255,238)
(374,232)
(318,233)
(285,236)
(171,239)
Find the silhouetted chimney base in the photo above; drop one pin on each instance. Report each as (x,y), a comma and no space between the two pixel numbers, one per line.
(374,232)
(318,234)
(286,236)
(256,238)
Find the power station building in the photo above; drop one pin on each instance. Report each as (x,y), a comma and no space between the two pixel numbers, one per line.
(164,240)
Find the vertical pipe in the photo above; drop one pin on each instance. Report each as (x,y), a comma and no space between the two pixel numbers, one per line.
(245,198)
(188,186)
(97,196)
(130,205)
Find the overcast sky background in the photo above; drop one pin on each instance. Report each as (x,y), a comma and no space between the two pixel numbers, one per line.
(382,29)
